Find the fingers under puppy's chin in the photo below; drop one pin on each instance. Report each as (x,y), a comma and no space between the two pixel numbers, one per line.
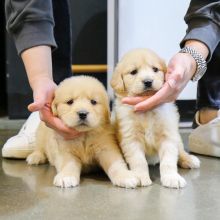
(147,93)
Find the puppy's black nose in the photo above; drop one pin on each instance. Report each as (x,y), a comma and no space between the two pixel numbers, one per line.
(82,114)
(147,83)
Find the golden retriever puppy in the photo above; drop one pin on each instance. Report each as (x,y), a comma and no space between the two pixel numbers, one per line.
(82,103)
(152,136)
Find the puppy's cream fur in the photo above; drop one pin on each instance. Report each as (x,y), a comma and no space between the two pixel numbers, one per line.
(96,146)
(152,136)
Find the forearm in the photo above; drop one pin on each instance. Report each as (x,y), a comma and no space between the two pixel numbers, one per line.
(203,20)
(38,64)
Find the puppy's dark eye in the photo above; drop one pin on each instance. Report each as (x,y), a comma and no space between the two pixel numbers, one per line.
(93,102)
(133,72)
(69,102)
(155,69)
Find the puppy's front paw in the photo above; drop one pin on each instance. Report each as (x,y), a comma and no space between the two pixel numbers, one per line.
(144,179)
(65,181)
(173,181)
(190,162)
(36,158)
(125,179)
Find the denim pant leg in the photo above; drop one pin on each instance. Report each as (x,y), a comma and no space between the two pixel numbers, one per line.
(208,90)
(62,56)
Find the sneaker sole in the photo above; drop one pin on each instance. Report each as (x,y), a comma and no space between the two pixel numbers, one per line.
(16,154)
(196,146)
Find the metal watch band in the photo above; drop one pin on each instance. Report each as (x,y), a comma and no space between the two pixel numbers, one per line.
(200,61)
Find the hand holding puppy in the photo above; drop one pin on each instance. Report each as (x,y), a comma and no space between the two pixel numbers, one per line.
(41,82)
(180,70)
(43,97)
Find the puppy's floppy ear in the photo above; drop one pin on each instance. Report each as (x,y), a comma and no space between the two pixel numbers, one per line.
(107,114)
(54,108)
(164,66)
(106,107)
(117,82)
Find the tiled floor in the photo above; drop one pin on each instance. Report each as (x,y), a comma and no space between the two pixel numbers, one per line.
(27,192)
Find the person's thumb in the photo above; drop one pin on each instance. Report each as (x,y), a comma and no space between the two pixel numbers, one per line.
(40,100)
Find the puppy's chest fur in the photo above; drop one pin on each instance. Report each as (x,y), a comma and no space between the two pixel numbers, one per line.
(139,126)
(84,148)
(148,128)
(144,123)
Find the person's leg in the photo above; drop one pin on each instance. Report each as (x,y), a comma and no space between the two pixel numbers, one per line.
(208,92)
(205,139)
(21,145)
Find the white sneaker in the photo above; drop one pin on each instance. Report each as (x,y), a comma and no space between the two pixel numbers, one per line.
(22,144)
(205,139)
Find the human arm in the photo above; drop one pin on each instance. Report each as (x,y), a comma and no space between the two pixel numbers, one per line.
(182,66)
(30,23)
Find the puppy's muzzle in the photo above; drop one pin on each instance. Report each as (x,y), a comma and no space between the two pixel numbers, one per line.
(147,83)
(82,115)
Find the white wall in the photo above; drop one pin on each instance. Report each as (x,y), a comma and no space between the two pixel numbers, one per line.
(157,25)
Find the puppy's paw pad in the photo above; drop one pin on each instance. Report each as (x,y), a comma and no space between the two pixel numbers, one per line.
(36,158)
(64,181)
(126,180)
(191,162)
(173,181)
(144,179)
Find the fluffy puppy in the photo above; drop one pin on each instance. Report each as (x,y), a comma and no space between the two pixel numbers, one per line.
(82,103)
(152,136)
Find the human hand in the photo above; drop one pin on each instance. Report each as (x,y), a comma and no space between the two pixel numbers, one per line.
(38,65)
(43,90)
(180,70)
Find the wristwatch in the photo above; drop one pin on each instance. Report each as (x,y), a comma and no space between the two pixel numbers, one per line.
(200,62)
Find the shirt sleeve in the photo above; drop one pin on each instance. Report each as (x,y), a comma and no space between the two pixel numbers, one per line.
(203,20)
(30,23)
